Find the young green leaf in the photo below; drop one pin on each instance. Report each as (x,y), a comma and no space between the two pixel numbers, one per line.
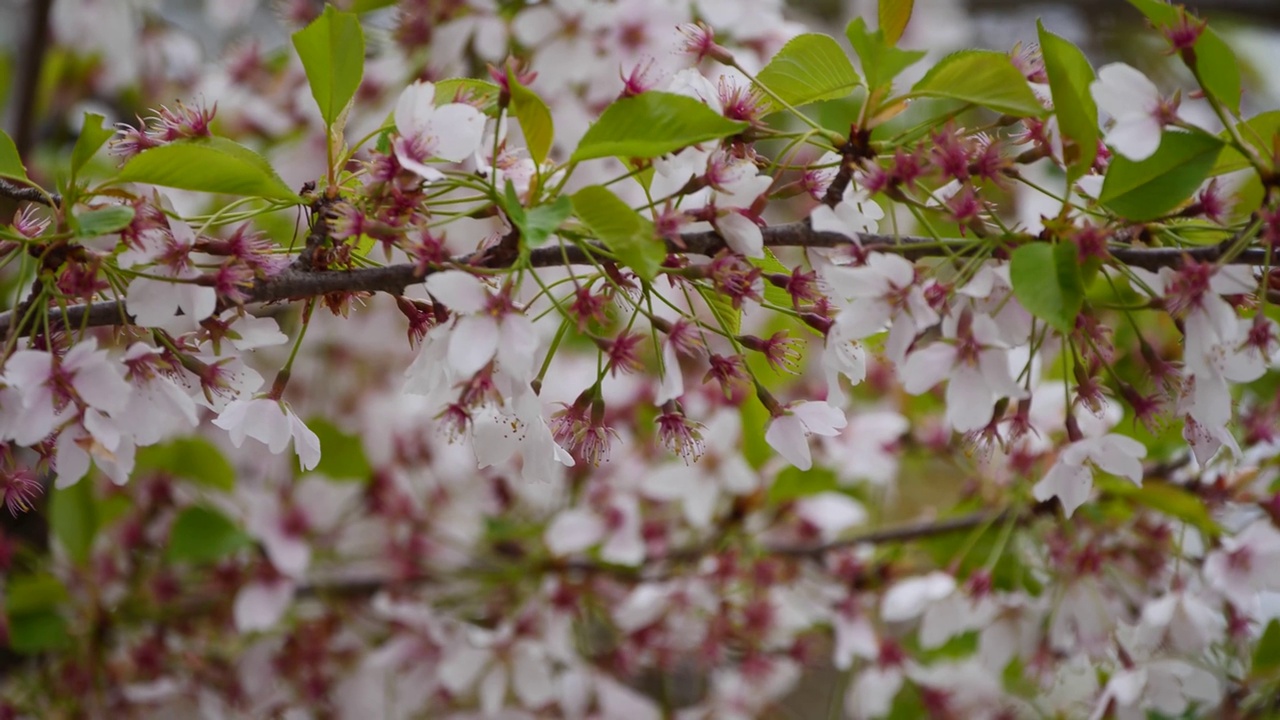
(881,62)
(1046,281)
(213,165)
(1151,188)
(1069,77)
(481,93)
(982,77)
(1260,131)
(191,458)
(652,124)
(1266,655)
(534,117)
(73,520)
(10,163)
(894,15)
(344,457)
(92,137)
(809,68)
(202,535)
(332,53)
(33,593)
(105,220)
(793,483)
(542,221)
(37,632)
(627,234)
(1219,69)
(1215,63)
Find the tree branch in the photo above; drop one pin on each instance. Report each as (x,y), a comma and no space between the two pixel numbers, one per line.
(29,194)
(295,284)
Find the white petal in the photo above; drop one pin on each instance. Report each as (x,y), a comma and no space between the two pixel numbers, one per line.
(820,418)
(260,605)
(927,367)
(459,291)
(473,344)
(824,219)
(741,234)
(908,598)
(573,530)
(457,129)
(786,435)
(415,107)
(1137,138)
(1071,484)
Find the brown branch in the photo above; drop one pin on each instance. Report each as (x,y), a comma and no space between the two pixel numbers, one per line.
(29,194)
(294,284)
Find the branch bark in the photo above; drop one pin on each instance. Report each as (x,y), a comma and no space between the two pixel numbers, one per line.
(297,284)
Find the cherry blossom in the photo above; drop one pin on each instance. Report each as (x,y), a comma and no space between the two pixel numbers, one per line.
(789,431)
(1135,104)
(450,132)
(272,423)
(1071,477)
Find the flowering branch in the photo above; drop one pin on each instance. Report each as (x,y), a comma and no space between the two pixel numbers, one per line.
(297,283)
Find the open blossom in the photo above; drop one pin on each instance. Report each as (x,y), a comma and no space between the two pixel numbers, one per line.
(883,292)
(1140,113)
(47,385)
(272,423)
(1071,478)
(518,427)
(789,432)
(975,361)
(490,326)
(450,132)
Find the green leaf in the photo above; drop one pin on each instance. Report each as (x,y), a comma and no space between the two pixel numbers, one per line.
(1266,655)
(364,6)
(755,418)
(203,535)
(770,264)
(1261,131)
(92,137)
(481,93)
(212,165)
(982,77)
(1164,498)
(626,233)
(332,53)
(39,632)
(26,594)
(1218,68)
(1046,280)
(534,117)
(1151,188)
(10,163)
(103,220)
(652,124)
(810,67)
(344,457)
(193,458)
(1214,61)
(793,483)
(1069,77)
(1160,13)
(729,317)
(542,221)
(881,62)
(894,15)
(74,520)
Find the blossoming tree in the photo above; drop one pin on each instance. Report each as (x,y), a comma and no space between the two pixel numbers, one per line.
(684,363)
